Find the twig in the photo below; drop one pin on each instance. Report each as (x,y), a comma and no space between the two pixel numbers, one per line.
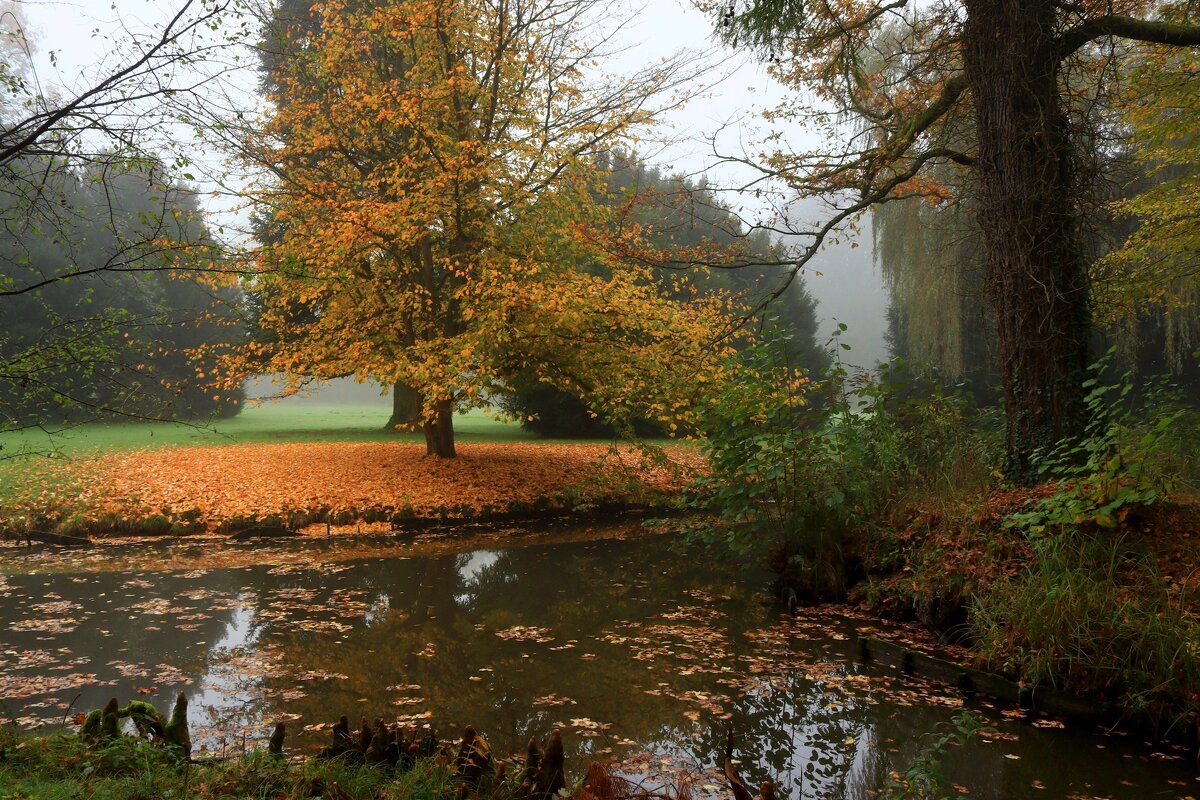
(67,713)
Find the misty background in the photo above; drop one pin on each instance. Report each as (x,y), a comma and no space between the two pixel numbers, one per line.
(67,44)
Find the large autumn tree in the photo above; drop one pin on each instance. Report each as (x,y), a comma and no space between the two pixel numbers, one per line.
(430,172)
(1009,69)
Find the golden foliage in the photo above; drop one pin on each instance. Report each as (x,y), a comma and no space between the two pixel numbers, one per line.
(1155,270)
(433,207)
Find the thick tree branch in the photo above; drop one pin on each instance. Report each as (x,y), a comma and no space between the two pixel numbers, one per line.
(1141,30)
(910,130)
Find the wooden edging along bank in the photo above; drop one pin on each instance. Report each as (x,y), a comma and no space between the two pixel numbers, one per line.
(971,681)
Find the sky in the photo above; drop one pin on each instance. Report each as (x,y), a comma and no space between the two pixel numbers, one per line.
(74,39)
(80,33)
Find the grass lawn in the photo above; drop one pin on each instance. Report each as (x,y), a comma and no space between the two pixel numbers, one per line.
(271,422)
(299,461)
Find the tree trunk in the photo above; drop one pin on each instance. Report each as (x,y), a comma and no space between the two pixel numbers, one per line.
(406,408)
(439,431)
(1035,270)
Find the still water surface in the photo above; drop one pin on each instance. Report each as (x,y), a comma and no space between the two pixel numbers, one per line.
(641,651)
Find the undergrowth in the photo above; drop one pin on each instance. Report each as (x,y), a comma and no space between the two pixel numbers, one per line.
(62,766)
(1062,584)
(800,464)
(1093,614)
(890,481)
(66,766)
(1123,462)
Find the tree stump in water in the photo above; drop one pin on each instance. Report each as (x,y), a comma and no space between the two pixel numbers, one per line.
(176,733)
(110,721)
(377,748)
(275,745)
(533,760)
(146,718)
(550,776)
(736,784)
(474,757)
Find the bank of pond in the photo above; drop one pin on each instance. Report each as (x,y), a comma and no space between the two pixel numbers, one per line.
(643,656)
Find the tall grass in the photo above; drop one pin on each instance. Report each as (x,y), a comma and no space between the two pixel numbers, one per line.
(1093,614)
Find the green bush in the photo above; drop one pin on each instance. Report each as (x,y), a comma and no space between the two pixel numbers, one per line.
(1130,456)
(798,461)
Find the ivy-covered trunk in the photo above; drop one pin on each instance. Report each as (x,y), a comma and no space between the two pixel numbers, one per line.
(1035,270)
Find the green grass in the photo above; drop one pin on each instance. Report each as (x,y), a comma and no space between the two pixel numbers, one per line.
(271,422)
(1093,614)
(65,767)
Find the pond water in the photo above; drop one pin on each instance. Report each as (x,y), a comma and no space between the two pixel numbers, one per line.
(640,650)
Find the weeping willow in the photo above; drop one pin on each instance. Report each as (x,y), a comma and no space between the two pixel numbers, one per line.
(928,246)
(1145,276)
(930,255)
(1141,144)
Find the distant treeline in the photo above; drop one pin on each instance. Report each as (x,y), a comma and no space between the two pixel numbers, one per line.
(102,308)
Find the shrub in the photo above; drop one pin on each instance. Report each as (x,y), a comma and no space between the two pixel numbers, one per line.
(1124,460)
(797,461)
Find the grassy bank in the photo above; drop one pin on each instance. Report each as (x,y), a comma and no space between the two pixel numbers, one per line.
(1107,613)
(1088,582)
(390,764)
(66,766)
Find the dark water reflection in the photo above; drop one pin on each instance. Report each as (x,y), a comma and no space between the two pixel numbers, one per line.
(635,647)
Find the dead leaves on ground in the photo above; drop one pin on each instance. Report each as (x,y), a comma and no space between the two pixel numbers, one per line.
(349,481)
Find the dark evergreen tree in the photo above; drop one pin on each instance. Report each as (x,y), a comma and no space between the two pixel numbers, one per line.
(105,320)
